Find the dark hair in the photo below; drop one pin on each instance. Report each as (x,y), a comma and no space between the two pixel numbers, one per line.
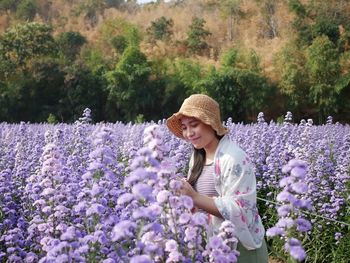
(197,168)
(198,163)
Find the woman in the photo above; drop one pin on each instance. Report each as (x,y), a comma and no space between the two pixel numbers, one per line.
(221,180)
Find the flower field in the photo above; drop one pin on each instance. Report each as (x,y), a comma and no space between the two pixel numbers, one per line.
(107,192)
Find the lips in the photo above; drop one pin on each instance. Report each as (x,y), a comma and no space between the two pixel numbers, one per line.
(194,140)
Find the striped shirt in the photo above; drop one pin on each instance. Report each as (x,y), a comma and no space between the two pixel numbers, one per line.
(205,183)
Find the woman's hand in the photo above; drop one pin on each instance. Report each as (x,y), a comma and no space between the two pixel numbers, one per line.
(187,189)
(203,202)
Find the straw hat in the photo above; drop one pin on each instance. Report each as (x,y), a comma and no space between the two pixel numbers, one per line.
(201,107)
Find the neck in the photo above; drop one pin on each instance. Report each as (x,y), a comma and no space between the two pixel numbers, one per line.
(210,149)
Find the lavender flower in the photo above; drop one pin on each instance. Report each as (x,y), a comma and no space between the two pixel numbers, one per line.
(290,211)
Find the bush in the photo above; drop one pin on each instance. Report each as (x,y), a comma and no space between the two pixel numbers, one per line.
(26,10)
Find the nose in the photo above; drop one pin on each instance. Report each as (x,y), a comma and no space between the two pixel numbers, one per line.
(189,132)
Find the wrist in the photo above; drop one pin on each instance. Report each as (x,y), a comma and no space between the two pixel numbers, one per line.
(195,198)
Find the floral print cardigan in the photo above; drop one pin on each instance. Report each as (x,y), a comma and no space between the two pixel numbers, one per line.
(236,186)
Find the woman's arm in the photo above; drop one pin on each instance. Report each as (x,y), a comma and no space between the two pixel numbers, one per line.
(200,201)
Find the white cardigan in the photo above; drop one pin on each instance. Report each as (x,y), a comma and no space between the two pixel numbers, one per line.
(236,185)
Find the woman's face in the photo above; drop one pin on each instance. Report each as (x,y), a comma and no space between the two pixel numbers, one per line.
(198,133)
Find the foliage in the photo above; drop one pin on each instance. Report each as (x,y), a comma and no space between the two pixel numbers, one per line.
(294,79)
(160,29)
(324,70)
(26,10)
(119,43)
(24,42)
(230,58)
(114,3)
(315,18)
(196,35)
(311,73)
(241,58)
(116,35)
(82,89)
(70,43)
(128,85)
(8,5)
(34,96)
(297,7)
(269,26)
(95,59)
(51,119)
(90,10)
(240,92)
(188,72)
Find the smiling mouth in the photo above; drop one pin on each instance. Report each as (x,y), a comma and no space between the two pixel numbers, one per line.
(194,140)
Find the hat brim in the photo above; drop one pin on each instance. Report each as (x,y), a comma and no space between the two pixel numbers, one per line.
(174,122)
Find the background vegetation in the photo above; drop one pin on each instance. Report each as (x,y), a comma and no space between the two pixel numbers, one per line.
(133,63)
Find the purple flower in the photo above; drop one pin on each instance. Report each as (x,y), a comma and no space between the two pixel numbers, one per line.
(184,218)
(199,219)
(299,187)
(297,252)
(174,256)
(285,196)
(125,198)
(95,209)
(96,190)
(171,245)
(174,202)
(187,201)
(163,196)
(123,229)
(275,231)
(303,225)
(31,257)
(175,184)
(215,242)
(69,234)
(141,259)
(297,163)
(285,223)
(298,172)
(286,181)
(293,242)
(284,210)
(141,190)
(190,233)
(154,210)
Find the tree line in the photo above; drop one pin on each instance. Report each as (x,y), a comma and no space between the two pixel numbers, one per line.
(47,77)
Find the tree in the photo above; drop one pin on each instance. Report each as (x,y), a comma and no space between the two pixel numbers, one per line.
(324,26)
(90,9)
(70,43)
(241,58)
(82,89)
(196,35)
(24,42)
(26,10)
(33,95)
(269,27)
(188,72)
(324,71)
(230,9)
(240,92)
(294,80)
(8,5)
(119,43)
(161,28)
(114,3)
(128,86)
